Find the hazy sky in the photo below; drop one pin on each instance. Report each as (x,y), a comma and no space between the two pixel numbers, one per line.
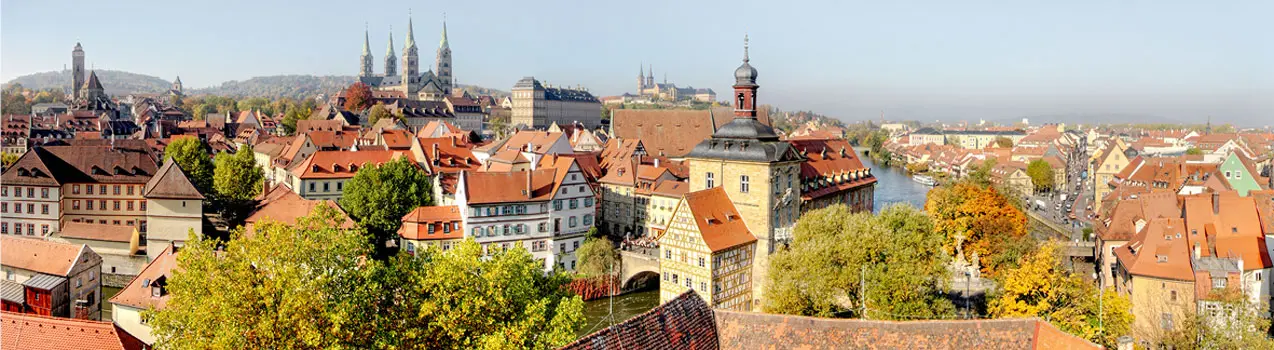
(927,60)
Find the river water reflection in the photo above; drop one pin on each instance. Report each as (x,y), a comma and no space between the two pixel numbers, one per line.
(893,185)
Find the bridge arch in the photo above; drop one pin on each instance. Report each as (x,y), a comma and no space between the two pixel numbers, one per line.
(637,269)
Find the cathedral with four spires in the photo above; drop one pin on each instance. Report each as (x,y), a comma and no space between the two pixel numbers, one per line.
(430,85)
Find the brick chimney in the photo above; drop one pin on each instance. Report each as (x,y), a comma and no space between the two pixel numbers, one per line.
(529,190)
(1216,202)
(434,150)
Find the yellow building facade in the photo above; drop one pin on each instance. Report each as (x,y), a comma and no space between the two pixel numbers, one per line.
(708,249)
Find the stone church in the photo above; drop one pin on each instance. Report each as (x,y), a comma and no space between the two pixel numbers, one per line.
(431,85)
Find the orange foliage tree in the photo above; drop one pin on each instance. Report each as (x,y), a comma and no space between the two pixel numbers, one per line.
(358,97)
(979,220)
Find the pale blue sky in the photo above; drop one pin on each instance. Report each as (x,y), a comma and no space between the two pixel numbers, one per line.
(927,60)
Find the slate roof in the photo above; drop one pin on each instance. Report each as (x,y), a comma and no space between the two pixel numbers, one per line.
(171,183)
(128,161)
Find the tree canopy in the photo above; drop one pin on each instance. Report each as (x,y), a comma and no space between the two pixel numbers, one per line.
(597,256)
(1041,174)
(307,286)
(1040,287)
(190,154)
(378,112)
(978,219)
(1003,142)
(379,196)
(238,180)
(904,263)
(358,97)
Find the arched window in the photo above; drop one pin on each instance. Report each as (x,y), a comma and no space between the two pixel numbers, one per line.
(740,103)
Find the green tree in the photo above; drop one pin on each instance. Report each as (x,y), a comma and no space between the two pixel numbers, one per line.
(1238,324)
(377,112)
(237,179)
(981,173)
(379,196)
(1194,151)
(13,102)
(904,263)
(256,103)
(305,286)
(597,256)
(1041,174)
(1003,142)
(1040,287)
(190,154)
(293,114)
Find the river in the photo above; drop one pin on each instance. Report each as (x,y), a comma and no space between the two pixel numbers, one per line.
(893,185)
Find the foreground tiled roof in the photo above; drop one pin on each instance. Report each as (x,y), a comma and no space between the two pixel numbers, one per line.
(417,222)
(39,255)
(31,332)
(687,322)
(745,330)
(683,323)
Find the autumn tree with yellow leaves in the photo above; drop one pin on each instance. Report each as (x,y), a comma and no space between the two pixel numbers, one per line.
(979,219)
(1041,287)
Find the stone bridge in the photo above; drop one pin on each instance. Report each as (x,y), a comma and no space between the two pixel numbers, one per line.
(637,266)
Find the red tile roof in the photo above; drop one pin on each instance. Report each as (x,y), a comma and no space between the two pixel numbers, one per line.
(672,132)
(509,187)
(39,255)
(282,205)
(97,232)
(416,224)
(1161,250)
(340,164)
(718,221)
(449,156)
(32,332)
(140,296)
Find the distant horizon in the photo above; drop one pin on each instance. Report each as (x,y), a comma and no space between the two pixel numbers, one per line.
(931,61)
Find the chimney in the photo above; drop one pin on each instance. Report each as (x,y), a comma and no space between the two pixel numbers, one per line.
(528,184)
(1216,202)
(656,162)
(435,153)
(1197,250)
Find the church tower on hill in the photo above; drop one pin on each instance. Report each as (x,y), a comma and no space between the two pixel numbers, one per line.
(77,70)
(758,171)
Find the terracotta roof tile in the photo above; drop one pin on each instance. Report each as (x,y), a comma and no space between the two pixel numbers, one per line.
(282,205)
(138,294)
(416,223)
(509,187)
(39,255)
(97,232)
(683,323)
(340,164)
(32,332)
(718,221)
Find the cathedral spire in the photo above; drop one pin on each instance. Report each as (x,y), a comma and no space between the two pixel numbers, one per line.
(389,50)
(411,39)
(444,44)
(367,46)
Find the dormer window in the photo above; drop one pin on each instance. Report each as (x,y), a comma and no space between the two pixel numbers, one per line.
(1161,258)
(314,168)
